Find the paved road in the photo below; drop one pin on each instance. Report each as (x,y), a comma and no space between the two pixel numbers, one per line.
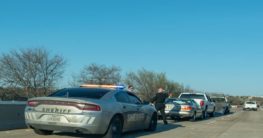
(241,124)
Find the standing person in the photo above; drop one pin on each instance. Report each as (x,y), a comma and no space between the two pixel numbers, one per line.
(159,100)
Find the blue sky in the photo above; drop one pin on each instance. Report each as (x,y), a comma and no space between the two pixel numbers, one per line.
(207,45)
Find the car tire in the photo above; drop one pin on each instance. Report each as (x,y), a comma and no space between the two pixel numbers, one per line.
(42,132)
(173,118)
(226,111)
(193,118)
(115,128)
(153,123)
(204,114)
(212,114)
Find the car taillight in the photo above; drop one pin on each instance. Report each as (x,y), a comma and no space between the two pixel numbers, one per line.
(89,107)
(32,103)
(202,103)
(186,108)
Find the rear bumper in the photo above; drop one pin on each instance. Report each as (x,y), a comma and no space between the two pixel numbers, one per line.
(87,124)
(74,129)
(250,108)
(181,114)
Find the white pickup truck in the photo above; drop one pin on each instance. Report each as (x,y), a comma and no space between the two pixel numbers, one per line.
(203,101)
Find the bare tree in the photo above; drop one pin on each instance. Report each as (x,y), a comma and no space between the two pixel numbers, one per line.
(97,74)
(175,88)
(147,82)
(34,70)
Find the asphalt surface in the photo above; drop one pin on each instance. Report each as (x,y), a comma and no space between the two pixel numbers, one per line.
(238,124)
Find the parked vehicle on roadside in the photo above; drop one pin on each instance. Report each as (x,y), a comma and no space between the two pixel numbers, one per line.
(90,109)
(182,108)
(222,104)
(250,105)
(203,100)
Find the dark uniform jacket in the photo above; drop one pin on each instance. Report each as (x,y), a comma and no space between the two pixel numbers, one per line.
(159,100)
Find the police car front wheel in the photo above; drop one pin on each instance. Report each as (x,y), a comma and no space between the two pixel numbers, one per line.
(153,123)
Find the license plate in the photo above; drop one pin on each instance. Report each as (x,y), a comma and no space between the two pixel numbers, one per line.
(54,119)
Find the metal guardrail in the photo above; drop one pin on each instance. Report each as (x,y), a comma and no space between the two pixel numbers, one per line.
(13,102)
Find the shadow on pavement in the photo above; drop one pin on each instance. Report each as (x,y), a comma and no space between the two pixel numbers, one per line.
(76,135)
(217,114)
(160,128)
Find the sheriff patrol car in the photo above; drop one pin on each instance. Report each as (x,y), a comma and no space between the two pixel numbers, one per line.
(108,110)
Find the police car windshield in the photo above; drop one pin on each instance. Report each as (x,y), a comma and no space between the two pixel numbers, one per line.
(92,93)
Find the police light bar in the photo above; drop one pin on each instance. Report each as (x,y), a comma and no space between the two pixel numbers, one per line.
(103,86)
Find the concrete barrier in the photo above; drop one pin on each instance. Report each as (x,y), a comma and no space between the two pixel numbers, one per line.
(12,115)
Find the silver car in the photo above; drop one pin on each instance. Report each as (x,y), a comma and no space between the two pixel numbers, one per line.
(222,104)
(182,108)
(89,110)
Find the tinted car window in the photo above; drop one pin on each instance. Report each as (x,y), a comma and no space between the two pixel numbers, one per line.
(209,99)
(192,96)
(134,99)
(122,97)
(184,102)
(169,100)
(250,103)
(218,99)
(80,92)
(179,101)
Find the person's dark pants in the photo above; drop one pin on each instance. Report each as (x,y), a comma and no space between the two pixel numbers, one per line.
(161,107)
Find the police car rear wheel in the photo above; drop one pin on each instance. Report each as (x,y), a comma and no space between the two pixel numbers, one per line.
(43,132)
(153,123)
(115,128)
